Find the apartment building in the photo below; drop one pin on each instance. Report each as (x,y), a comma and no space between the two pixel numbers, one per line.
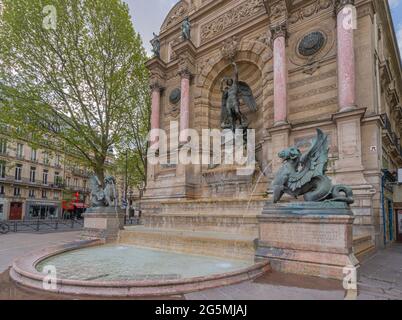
(39,183)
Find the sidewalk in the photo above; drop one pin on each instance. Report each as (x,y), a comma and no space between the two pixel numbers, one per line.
(381,274)
(14,245)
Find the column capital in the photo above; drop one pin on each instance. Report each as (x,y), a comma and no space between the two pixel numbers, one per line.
(340,4)
(156,86)
(185,73)
(185,66)
(279,30)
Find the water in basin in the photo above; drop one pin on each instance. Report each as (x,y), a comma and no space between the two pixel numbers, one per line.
(122,262)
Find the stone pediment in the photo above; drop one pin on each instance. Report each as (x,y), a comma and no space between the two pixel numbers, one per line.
(176,15)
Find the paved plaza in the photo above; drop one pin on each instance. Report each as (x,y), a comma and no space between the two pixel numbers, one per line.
(381,276)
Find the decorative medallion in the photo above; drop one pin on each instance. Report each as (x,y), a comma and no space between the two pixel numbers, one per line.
(175,96)
(311,44)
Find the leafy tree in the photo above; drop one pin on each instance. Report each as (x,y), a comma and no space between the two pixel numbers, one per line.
(71,71)
(132,150)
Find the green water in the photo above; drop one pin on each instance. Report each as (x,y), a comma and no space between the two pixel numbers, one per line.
(121,262)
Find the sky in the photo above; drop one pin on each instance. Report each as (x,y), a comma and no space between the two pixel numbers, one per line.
(148,16)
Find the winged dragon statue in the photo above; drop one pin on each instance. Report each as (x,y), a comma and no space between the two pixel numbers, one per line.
(232,91)
(103,197)
(304,174)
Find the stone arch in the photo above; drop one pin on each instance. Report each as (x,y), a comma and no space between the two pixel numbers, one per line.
(252,53)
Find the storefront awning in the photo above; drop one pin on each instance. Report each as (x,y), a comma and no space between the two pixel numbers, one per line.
(80,205)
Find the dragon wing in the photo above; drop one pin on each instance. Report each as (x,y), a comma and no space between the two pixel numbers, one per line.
(313,163)
(247,95)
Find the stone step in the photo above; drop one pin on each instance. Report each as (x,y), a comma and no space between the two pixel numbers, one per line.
(363,246)
(239,207)
(232,224)
(225,245)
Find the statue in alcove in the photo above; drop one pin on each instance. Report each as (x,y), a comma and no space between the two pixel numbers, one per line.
(232,91)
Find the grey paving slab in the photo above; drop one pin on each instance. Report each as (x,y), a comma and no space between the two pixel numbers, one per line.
(14,245)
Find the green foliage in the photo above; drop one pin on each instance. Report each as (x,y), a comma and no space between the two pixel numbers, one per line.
(76,83)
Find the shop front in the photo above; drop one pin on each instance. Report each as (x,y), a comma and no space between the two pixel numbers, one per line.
(2,210)
(42,210)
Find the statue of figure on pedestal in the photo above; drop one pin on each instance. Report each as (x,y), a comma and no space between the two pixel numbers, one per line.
(103,197)
(232,90)
(305,174)
(186,29)
(156,45)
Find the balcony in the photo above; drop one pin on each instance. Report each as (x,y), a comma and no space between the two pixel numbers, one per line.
(80,172)
(390,138)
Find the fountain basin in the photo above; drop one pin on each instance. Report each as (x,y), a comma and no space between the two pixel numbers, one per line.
(153,273)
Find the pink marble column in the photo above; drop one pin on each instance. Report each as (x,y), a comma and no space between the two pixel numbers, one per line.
(155,109)
(346,55)
(184,104)
(280,75)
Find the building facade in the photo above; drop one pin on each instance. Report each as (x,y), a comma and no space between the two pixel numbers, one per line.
(39,183)
(326,64)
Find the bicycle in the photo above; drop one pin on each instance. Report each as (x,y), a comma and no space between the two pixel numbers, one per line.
(4,228)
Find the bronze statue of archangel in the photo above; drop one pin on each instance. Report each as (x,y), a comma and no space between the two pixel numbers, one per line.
(305,174)
(232,91)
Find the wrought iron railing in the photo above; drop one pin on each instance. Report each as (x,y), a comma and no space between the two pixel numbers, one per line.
(46,225)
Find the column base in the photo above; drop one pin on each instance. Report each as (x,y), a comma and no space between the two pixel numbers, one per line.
(281,123)
(348,108)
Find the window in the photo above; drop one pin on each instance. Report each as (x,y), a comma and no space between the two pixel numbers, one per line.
(32,175)
(3,146)
(17,191)
(45,176)
(76,182)
(44,194)
(57,179)
(20,150)
(57,161)
(34,155)
(18,172)
(2,190)
(68,180)
(45,157)
(2,169)
(56,195)
(1,212)
(31,193)
(84,184)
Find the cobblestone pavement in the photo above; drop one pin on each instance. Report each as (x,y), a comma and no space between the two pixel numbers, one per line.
(381,275)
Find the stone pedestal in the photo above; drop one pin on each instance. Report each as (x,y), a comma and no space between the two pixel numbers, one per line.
(308,238)
(103,223)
